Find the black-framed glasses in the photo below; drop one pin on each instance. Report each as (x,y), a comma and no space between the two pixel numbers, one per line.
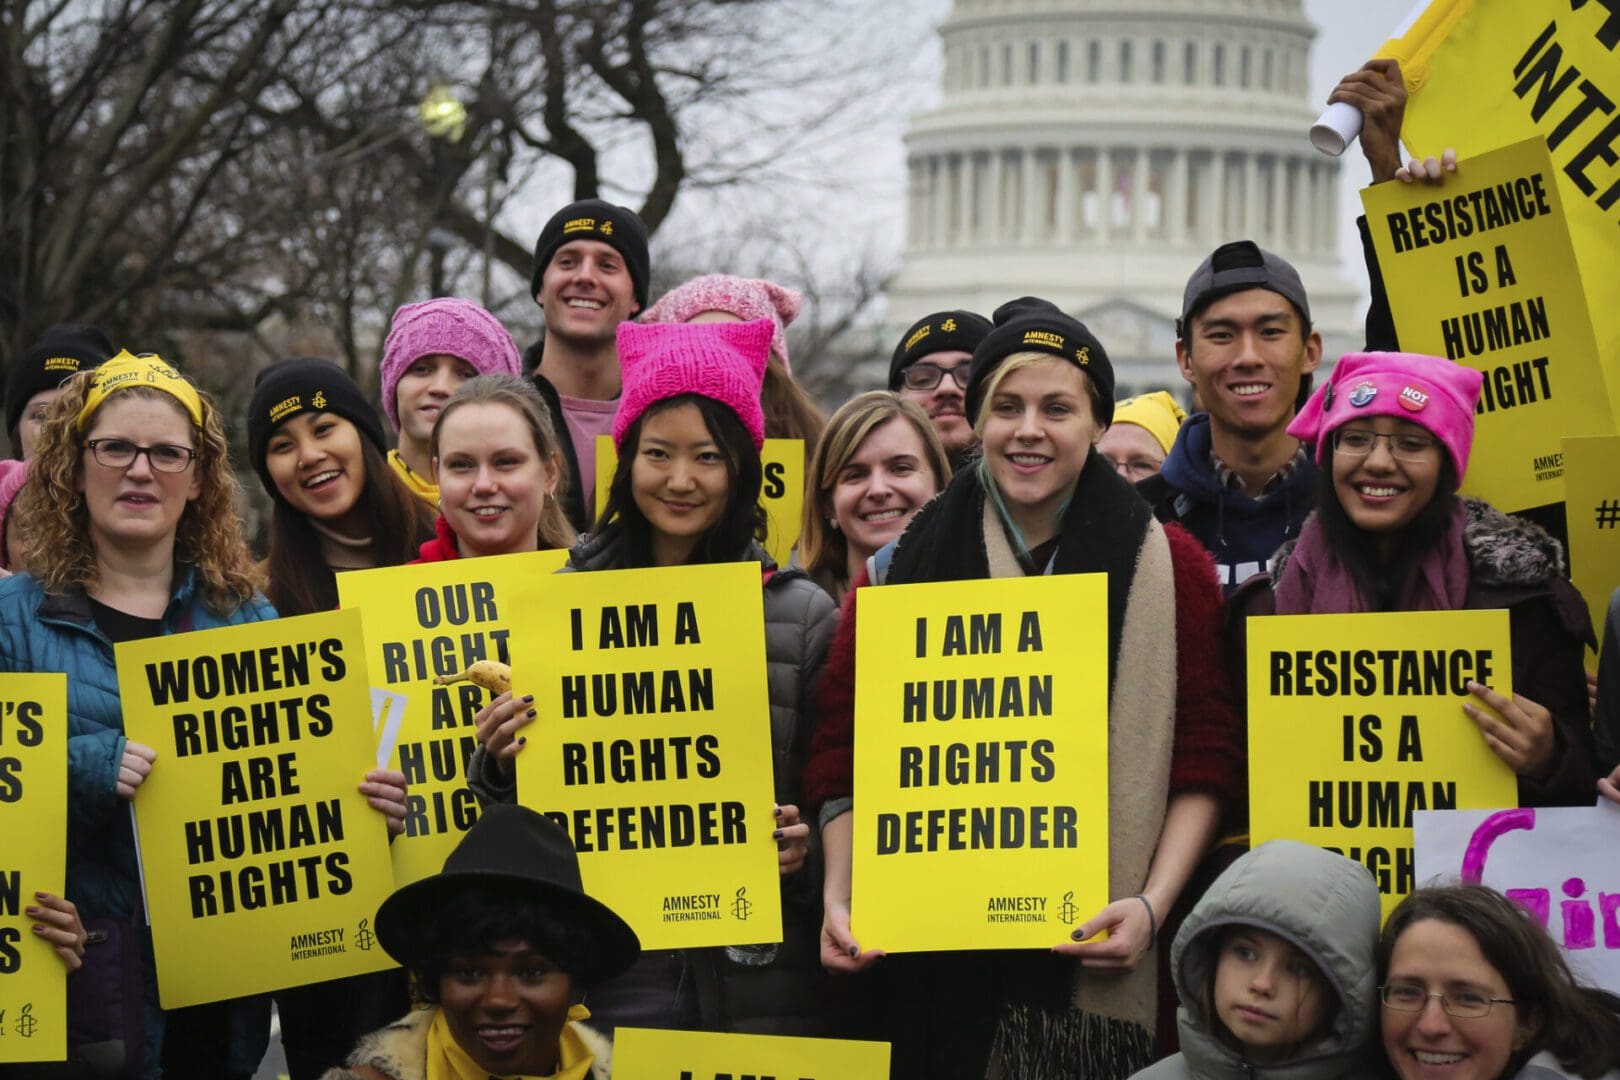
(1359,442)
(925,376)
(1465,1004)
(121,454)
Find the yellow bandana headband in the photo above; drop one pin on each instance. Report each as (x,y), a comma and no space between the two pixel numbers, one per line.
(126,370)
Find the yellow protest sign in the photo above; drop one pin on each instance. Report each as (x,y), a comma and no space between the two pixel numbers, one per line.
(782,494)
(653,746)
(1484,73)
(1480,270)
(255,841)
(646,1054)
(33,820)
(1592,504)
(426,621)
(1356,723)
(981,762)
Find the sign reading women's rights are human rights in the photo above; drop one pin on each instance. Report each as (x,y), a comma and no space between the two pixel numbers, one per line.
(981,762)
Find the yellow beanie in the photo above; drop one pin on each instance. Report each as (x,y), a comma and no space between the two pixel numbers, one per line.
(1157,412)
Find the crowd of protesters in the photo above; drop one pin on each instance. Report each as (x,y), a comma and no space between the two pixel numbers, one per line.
(998,450)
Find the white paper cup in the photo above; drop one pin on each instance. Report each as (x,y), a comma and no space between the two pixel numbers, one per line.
(1336,128)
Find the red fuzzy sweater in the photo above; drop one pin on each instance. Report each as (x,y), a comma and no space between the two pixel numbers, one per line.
(1206,756)
(442,548)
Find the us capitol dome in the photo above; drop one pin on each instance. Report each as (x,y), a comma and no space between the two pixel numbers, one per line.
(1093,152)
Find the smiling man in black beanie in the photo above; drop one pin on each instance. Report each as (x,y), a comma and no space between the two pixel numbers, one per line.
(35,380)
(591,270)
(930,367)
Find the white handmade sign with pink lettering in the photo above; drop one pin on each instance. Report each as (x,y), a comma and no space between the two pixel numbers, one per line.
(1557,863)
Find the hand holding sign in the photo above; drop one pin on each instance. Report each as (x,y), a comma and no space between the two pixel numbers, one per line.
(1376,92)
(792,839)
(135,767)
(384,789)
(1609,786)
(59,925)
(1522,737)
(1130,934)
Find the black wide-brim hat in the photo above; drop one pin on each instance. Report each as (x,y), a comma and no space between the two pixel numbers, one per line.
(509,847)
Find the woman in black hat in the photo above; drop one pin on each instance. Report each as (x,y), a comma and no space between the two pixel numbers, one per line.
(35,380)
(501,946)
(1040,499)
(318,448)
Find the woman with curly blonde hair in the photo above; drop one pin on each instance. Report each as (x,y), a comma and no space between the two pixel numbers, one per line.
(131,522)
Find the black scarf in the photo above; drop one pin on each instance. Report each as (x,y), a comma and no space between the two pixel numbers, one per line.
(1101,532)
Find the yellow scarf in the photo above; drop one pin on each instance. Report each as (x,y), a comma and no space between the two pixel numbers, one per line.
(423,489)
(446,1060)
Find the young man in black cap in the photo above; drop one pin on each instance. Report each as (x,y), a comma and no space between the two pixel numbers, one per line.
(930,367)
(59,354)
(591,268)
(1235,478)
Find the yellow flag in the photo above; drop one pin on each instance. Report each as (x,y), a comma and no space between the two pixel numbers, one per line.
(653,746)
(263,863)
(646,1054)
(981,762)
(1480,270)
(1592,501)
(1356,723)
(782,494)
(1485,73)
(33,822)
(430,620)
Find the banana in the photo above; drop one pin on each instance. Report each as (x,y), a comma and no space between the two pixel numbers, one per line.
(492,675)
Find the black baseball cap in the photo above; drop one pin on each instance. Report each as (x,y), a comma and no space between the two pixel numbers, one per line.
(1235,267)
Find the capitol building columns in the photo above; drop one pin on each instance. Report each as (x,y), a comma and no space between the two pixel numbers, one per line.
(1093,154)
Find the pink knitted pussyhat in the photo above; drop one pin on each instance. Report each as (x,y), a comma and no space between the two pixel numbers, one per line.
(447,325)
(721,361)
(13,474)
(746,298)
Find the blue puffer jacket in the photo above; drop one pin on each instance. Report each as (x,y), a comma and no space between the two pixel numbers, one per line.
(57,633)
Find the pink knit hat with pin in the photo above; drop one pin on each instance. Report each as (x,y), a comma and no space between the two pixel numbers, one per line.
(447,325)
(746,298)
(1435,394)
(721,361)
(13,474)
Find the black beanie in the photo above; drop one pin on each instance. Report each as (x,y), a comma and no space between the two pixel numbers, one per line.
(593,219)
(1029,324)
(59,354)
(943,331)
(289,387)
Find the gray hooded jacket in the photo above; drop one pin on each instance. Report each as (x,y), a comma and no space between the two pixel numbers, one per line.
(1322,903)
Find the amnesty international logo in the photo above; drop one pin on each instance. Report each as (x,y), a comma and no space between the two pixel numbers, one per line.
(948,325)
(26,1024)
(364,939)
(607,228)
(319,400)
(1067,911)
(742,907)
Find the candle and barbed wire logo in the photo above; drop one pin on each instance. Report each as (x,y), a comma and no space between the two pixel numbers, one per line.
(1068,912)
(26,1024)
(742,907)
(364,939)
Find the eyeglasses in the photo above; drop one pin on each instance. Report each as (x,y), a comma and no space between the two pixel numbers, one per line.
(1357,442)
(121,454)
(1464,1004)
(925,376)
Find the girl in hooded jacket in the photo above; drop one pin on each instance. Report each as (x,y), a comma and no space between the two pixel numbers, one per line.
(1274,967)
(689,429)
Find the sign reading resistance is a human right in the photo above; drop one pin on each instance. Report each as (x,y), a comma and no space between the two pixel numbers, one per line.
(981,762)
(1356,723)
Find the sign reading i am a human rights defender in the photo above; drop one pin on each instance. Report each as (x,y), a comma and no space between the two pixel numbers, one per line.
(33,822)
(981,762)
(1356,724)
(648,1054)
(781,493)
(428,621)
(256,844)
(1481,270)
(653,746)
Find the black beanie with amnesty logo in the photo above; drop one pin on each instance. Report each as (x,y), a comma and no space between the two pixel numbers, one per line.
(1030,324)
(290,387)
(60,353)
(943,331)
(593,219)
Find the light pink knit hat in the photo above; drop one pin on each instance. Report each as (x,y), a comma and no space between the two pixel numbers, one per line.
(746,298)
(13,474)
(721,361)
(448,325)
